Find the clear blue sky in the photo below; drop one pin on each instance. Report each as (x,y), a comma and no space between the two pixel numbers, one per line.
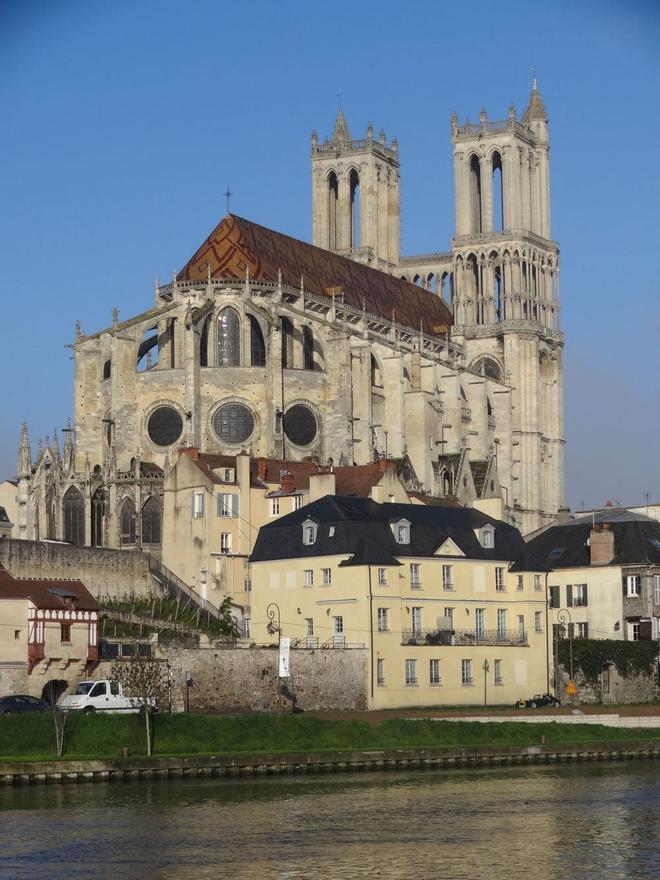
(124,122)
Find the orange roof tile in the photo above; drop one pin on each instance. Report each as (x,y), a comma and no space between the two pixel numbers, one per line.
(236,245)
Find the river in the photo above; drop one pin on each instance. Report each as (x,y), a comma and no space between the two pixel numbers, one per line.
(566,822)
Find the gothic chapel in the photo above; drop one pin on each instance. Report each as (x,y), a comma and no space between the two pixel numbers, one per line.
(344,350)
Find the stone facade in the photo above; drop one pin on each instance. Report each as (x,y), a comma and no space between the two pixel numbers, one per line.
(271,346)
(227,680)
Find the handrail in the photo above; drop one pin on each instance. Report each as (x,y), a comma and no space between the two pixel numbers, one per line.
(464,637)
(174,586)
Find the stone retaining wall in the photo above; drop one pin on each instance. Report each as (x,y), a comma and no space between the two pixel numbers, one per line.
(125,769)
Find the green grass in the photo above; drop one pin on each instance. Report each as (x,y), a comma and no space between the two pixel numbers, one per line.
(31,737)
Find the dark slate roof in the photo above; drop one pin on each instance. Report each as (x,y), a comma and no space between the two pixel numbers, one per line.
(566,545)
(362,529)
(236,245)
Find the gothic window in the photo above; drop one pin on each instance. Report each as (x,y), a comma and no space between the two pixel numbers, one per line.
(299,425)
(107,369)
(257,344)
(287,344)
(446,287)
(355,209)
(432,283)
(498,193)
(73,510)
(127,522)
(204,342)
(165,426)
(308,348)
(376,376)
(333,197)
(475,193)
(233,423)
(499,304)
(99,511)
(229,338)
(151,519)
(51,519)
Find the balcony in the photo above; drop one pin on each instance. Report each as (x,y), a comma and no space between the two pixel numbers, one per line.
(464,637)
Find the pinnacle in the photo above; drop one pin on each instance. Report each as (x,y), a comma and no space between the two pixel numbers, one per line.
(341,133)
(535,110)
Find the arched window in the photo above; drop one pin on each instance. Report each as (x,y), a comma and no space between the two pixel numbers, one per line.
(376,377)
(229,338)
(204,342)
(498,193)
(499,305)
(287,344)
(51,519)
(432,283)
(355,209)
(107,369)
(333,197)
(308,348)
(475,193)
(73,511)
(151,519)
(127,522)
(99,511)
(257,344)
(147,355)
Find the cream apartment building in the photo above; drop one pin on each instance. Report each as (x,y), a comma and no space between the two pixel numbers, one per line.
(446,601)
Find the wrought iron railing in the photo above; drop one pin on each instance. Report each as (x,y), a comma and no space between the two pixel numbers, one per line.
(463,637)
(175,588)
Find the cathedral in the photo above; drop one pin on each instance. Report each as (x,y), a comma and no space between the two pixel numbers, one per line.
(342,351)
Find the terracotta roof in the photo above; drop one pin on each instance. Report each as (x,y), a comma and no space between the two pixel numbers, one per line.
(435,501)
(236,245)
(46,592)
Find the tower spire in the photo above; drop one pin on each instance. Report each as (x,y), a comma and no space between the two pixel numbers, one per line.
(24,453)
(341,134)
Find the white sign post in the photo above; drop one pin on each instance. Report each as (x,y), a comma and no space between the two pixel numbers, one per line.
(285,647)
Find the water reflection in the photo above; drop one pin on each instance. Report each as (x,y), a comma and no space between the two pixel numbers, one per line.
(549,823)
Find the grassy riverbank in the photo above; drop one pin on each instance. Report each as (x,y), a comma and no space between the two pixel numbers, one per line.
(25,737)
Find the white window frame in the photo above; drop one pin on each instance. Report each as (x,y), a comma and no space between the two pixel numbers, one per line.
(497,673)
(435,677)
(415,575)
(634,630)
(310,529)
(656,589)
(538,621)
(449,613)
(447,577)
(633,585)
(538,585)
(228,504)
(500,582)
(338,625)
(297,502)
(197,505)
(501,623)
(380,672)
(326,576)
(581,630)
(274,506)
(580,595)
(466,672)
(383,620)
(522,631)
(309,621)
(308,577)
(225,543)
(416,619)
(382,577)
(401,531)
(479,622)
(520,583)
(411,672)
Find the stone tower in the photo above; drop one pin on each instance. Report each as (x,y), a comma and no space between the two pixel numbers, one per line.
(355,196)
(506,292)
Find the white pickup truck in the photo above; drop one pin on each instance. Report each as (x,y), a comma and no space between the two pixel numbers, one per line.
(97,696)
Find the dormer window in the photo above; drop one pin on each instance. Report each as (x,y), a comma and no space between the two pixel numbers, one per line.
(309,528)
(487,537)
(401,531)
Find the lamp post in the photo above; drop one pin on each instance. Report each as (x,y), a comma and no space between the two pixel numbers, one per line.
(485,668)
(274,626)
(564,621)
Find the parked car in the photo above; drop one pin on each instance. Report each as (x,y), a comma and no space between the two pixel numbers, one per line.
(539,701)
(97,696)
(21,703)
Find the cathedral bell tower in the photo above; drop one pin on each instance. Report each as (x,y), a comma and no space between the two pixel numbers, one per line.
(506,297)
(355,196)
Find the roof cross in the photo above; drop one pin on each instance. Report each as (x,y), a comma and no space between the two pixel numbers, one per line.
(228,194)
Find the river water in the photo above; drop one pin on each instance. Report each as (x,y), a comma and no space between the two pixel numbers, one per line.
(567,822)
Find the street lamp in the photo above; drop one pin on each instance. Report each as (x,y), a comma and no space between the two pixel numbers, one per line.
(273,615)
(564,621)
(485,668)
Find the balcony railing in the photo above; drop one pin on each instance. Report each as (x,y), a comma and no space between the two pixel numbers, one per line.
(463,637)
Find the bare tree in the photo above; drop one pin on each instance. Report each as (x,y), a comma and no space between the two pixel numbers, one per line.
(144,682)
(59,717)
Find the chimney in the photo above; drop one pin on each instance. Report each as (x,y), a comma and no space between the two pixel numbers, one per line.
(190,451)
(563,515)
(287,483)
(601,544)
(261,468)
(320,485)
(243,470)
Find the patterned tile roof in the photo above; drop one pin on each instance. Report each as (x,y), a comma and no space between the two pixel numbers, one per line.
(46,592)
(236,245)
